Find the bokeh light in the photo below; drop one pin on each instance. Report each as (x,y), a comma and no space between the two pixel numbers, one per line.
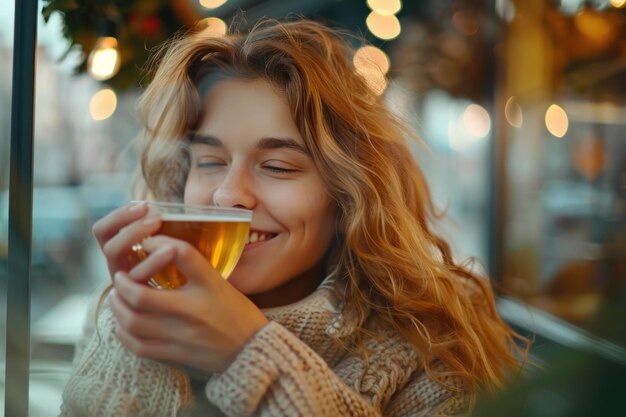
(213,25)
(212,4)
(385,7)
(557,121)
(476,121)
(593,25)
(374,78)
(513,113)
(371,56)
(103,104)
(506,9)
(384,27)
(104,60)
(618,3)
(465,22)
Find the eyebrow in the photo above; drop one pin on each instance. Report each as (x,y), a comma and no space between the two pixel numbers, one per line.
(278,143)
(263,143)
(206,139)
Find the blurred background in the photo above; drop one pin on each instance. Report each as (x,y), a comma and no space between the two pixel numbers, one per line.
(520,104)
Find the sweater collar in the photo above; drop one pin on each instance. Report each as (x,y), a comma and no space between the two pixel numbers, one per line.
(316,319)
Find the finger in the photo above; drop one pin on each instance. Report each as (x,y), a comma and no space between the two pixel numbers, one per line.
(120,245)
(139,324)
(156,261)
(145,299)
(107,227)
(189,261)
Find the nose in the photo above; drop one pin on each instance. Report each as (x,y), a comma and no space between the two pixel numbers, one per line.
(235,190)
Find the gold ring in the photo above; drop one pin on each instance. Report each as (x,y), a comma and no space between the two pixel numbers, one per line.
(139,250)
(142,254)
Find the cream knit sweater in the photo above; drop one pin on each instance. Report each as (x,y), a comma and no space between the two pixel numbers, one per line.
(291,367)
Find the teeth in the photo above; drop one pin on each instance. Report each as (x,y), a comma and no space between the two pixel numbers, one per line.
(257,237)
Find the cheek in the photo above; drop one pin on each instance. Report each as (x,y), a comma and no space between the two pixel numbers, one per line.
(297,210)
(321,218)
(316,209)
(328,224)
(196,191)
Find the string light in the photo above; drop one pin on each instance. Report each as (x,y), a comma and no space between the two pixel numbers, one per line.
(374,78)
(104,60)
(367,56)
(213,25)
(212,4)
(385,7)
(372,64)
(385,27)
(557,121)
(103,104)
(476,121)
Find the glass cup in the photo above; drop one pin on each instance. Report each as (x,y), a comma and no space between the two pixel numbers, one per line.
(218,233)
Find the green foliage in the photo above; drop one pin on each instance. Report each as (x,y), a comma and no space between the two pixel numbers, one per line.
(138,25)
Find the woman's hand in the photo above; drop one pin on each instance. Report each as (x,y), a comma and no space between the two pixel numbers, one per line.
(118,231)
(203,324)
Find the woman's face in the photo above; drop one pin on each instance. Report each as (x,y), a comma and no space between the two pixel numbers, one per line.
(248,153)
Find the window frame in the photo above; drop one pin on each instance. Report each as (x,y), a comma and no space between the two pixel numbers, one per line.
(20,209)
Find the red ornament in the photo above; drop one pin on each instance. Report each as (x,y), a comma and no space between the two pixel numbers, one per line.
(150,26)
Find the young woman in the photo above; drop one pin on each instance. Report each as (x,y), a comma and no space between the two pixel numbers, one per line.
(344,302)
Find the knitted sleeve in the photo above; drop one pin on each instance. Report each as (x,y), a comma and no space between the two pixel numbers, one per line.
(277,375)
(108,380)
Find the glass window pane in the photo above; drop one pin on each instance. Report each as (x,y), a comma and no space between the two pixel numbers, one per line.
(82,168)
(562,109)
(6,71)
(466,77)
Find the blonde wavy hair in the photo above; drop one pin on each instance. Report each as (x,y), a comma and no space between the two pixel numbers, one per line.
(395,267)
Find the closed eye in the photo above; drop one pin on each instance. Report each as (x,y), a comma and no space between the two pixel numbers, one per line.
(279,170)
(208,164)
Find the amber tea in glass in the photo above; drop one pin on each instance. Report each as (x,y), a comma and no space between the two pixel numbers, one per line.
(218,233)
